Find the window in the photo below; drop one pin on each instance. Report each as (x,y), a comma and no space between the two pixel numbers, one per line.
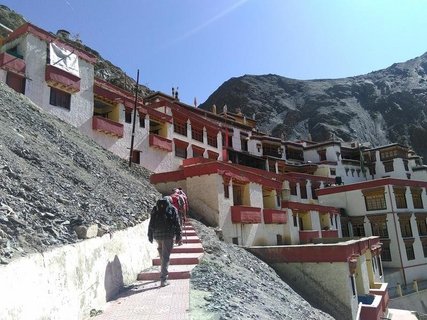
(332,171)
(237,195)
(421,225)
(226,191)
(346,171)
(405,226)
(60,98)
(385,252)
(279,239)
(244,143)
(424,243)
(399,195)
(136,156)
(294,154)
(375,202)
(197,134)
(295,219)
(128,116)
(271,150)
(303,189)
(388,166)
(293,187)
(417,199)
(235,240)
(198,152)
(344,227)
(358,229)
(379,229)
(322,155)
(142,121)
(180,127)
(180,151)
(313,190)
(272,166)
(16,82)
(212,140)
(410,254)
(388,154)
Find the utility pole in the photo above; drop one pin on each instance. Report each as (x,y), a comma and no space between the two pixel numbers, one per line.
(134,119)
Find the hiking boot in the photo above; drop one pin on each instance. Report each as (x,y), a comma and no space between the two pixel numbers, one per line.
(164,283)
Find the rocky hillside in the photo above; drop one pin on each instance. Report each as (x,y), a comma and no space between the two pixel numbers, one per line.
(384,106)
(104,69)
(55,182)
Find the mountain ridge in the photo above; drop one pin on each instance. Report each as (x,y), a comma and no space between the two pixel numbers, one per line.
(365,108)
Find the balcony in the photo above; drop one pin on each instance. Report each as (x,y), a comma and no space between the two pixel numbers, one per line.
(380,289)
(246,215)
(62,79)
(370,307)
(307,236)
(272,216)
(107,126)
(329,233)
(11,63)
(159,142)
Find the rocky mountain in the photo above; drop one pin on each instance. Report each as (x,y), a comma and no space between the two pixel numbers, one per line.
(104,69)
(384,106)
(55,183)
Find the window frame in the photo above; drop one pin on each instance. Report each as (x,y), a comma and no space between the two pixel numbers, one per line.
(59,98)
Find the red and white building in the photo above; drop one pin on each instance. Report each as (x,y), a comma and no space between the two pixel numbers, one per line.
(302,202)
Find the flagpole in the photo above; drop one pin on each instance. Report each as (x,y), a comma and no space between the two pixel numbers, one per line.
(134,119)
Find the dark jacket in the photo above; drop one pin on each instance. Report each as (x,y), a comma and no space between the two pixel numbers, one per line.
(164,221)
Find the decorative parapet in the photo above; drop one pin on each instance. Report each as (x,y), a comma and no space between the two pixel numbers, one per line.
(273,216)
(62,79)
(307,236)
(246,215)
(159,142)
(108,126)
(11,63)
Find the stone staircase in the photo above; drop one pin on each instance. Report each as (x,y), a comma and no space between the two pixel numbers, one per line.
(182,260)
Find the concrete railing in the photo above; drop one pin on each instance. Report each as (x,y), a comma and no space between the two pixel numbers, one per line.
(69,281)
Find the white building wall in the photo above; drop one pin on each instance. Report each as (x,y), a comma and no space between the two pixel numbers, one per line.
(203,196)
(326,283)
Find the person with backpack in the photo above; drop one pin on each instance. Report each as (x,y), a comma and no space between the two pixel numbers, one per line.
(180,202)
(164,226)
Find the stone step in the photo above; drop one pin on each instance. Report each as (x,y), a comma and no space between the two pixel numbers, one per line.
(181,258)
(191,239)
(188,248)
(189,233)
(175,272)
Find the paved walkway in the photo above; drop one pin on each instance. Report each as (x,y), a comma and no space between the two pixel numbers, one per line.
(146,300)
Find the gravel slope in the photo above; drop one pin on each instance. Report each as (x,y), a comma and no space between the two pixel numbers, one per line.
(231,283)
(53,179)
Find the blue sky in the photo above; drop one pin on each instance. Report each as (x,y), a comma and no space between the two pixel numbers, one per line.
(199,44)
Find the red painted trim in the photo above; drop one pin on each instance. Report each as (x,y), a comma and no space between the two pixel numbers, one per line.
(54,76)
(182,144)
(307,236)
(115,94)
(246,215)
(159,142)
(12,63)
(329,233)
(167,177)
(213,155)
(371,184)
(107,126)
(298,177)
(48,37)
(299,206)
(273,216)
(340,252)
(197,149)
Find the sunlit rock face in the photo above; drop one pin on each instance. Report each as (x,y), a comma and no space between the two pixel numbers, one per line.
(384,106)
